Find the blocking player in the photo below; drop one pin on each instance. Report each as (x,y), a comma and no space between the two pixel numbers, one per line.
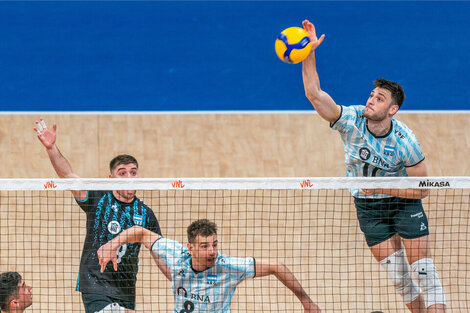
(392,220)
(108,213)
(15,294)
(203,280)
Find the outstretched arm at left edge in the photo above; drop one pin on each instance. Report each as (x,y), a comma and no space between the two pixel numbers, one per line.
(265,267)
(107,252)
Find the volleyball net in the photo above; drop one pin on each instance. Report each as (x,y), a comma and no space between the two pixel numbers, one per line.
(309,224)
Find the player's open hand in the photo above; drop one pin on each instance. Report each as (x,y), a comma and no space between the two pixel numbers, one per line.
(106,253)
(308,26)
(46,136)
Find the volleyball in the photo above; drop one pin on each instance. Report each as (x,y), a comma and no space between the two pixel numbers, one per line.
(293,45)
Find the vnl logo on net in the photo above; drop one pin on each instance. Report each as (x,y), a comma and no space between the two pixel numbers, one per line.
(306,184)
(177,184)
(50,185)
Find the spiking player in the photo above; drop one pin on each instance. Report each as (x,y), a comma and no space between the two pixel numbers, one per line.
(203,280)
(108,213)
(376,144)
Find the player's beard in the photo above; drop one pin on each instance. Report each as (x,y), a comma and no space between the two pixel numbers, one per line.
(126,195)
(375,116)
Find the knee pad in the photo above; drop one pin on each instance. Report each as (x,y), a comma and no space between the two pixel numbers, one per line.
(112,308)
(398,270)
(429,282)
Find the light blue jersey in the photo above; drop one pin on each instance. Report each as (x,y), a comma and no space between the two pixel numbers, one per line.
(208,291)
(368,155)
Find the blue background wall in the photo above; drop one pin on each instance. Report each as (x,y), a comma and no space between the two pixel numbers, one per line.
(131,56)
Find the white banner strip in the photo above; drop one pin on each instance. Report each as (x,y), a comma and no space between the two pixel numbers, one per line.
(218,112)
(235,183)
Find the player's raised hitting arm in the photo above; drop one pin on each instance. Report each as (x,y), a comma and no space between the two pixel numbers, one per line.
(266,267)
(322,102)
(61,166)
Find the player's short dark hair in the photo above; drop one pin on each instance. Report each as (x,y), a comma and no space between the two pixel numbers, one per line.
(8,287)
(122,159)
(398,95)
(203,227)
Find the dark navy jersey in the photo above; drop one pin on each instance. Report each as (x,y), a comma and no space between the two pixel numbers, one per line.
(107,217)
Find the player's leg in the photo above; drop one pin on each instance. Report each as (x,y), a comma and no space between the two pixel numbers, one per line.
(392,258)
(423,266)
(412,226)
(376,222)
(386,248)
(374,216)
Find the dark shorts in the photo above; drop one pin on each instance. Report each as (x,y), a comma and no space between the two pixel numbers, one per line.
(95,302)
(381,219)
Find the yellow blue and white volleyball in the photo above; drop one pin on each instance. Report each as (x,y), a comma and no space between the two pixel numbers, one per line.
(293,45)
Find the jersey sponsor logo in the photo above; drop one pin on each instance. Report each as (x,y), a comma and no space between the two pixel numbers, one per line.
(389,150)
(364,153)
(201,298)
(137,219)
(181,273)
(193,296)
(400,135)
(114,227)
(430,183)
(380,162)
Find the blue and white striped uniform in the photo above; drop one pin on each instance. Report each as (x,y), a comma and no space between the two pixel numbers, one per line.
(369,155)
(208,291)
